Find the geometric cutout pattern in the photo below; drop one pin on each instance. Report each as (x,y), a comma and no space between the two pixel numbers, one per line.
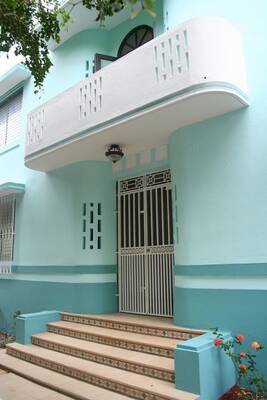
(90,96)
(171,57)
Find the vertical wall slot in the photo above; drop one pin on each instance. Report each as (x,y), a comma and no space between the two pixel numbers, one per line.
(163,61)
(84,209)
(91,226)
(187,60)
(157,74)
(185,39)
(167,20)
(156,54)
(178,53)
(171,65)
(170,45)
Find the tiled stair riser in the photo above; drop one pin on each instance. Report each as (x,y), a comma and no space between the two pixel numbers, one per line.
(118,387)
(153,372)
(128,327)
(125,344)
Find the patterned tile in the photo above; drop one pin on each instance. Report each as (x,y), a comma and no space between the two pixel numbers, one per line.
(89,377)
(153,372)
(125,344)
(128,327)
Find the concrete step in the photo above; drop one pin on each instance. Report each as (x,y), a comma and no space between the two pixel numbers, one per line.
(145,325)
(145,364)
(131,341)
(123,382)
(62,384)
(14,387)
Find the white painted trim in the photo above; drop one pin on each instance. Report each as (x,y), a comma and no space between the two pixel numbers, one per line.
(221,282)
(64,278)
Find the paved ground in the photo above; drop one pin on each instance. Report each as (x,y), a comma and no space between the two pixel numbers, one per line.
(13,387)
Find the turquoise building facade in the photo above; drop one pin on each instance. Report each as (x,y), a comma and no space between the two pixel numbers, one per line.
(218,162)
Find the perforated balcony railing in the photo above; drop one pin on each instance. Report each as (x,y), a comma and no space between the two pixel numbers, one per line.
(189,74)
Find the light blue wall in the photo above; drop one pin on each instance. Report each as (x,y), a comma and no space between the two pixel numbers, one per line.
(51,268)
(219,172)
(220,165)
(34,296)
(49,222)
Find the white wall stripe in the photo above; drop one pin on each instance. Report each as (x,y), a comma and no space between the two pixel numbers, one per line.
(221,282)
(64,278)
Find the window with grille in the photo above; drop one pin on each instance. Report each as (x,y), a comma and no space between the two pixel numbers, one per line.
(7,232)
(10,114)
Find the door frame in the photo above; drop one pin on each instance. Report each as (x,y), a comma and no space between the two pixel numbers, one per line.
(169,248)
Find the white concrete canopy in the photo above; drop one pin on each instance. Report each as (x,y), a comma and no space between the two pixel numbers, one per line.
(8,188)
(184,76)
(13,77)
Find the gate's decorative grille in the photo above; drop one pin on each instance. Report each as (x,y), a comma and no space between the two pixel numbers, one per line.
(146,244)
(7,224)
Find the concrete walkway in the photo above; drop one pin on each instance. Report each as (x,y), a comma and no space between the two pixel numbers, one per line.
(13,387)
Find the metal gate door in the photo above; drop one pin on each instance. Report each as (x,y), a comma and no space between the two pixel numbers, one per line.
(145,244)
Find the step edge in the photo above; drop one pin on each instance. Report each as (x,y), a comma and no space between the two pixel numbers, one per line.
(160,370)
(27,350)
(39,381)
(153,392)
(110,356)
(66,392)
(53,324)
(175,329)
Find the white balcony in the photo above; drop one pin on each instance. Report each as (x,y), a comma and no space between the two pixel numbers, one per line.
(184,76)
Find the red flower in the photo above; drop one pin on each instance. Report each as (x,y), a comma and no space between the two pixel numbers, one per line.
(218,342)
(243,368)
(256,346)
(243,354)
(239,337)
